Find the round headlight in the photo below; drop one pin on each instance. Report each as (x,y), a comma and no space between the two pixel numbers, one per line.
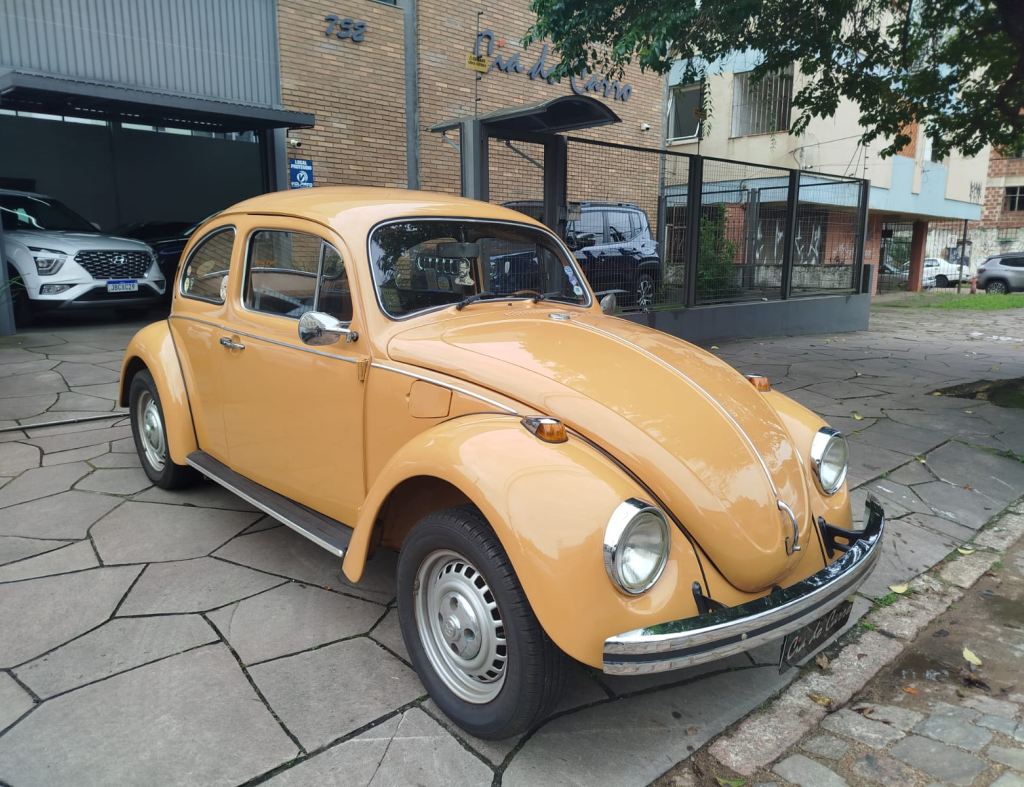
(831,457)
(636,544)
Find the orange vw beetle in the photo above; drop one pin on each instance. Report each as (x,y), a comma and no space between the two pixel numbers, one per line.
(385,369)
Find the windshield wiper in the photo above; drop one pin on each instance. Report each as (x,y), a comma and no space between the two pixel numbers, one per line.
(476,296)
(543,296)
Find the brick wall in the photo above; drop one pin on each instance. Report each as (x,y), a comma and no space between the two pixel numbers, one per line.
(356,91)
(1003,170)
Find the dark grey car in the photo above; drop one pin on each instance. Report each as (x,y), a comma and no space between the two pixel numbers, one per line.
(1002,273)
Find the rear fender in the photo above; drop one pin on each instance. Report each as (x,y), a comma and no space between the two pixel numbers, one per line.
(153,349)
(549,505)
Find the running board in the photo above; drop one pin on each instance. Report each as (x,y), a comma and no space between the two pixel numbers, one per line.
(324,531)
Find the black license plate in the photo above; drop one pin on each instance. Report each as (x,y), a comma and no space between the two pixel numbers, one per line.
(801,643)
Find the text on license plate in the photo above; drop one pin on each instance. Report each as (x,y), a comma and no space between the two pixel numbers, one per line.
(801,643)
(122,285)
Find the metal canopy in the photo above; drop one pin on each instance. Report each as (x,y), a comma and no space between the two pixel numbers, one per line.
(564,113)
(29,92)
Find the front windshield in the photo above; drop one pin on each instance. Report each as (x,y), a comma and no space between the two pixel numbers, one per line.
(422,264)
(24,212)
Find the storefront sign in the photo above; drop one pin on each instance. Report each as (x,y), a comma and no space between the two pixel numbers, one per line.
(300,173)
(345,27)
(581,84)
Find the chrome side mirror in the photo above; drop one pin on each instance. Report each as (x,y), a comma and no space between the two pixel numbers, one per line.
(317,328)
(609,304)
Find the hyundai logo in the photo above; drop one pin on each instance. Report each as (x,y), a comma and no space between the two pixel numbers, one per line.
(119,259)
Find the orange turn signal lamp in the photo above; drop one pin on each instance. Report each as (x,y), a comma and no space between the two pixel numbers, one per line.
(550,430)
(760,382)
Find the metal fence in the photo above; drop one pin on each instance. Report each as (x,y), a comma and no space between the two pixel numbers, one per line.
(669,229)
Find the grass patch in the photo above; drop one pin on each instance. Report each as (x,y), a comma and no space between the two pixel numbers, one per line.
(866,625)
(887,600)
(954,302)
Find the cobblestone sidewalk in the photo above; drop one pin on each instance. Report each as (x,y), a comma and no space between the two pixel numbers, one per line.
(929,718)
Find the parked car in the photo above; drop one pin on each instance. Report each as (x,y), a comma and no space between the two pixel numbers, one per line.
(58,260)
(557,481)
(1002,273)
(943,273)
(612,242)
(167,239)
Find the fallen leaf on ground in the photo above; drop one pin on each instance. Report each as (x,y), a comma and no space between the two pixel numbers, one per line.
(971,657)
(969,412)
(973,681)
(714,346)
(965,550)
(821,699)
(730,782)
(920,459)
(857,416)
(936,393)
(910,689)
(901,588)
(821,660)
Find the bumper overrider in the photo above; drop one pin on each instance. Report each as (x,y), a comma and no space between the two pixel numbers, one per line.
(715,635)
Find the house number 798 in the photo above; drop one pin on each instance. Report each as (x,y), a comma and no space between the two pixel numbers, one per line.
(346,27)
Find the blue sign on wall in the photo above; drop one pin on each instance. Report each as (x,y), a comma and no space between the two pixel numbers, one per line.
(300,173)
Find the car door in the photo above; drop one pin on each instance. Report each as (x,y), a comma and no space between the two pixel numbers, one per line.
(197,324)
(592,246)
(294,413)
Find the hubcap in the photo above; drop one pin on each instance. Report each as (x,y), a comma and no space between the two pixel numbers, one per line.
(460,627)
(151,431)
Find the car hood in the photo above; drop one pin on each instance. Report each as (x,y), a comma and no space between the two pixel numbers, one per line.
(690,427)
(72,242)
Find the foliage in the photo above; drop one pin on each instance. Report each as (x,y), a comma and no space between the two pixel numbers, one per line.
(955,66)
(716,269)
(954,302)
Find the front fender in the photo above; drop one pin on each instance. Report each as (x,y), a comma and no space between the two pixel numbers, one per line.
(153,348)
(549,505)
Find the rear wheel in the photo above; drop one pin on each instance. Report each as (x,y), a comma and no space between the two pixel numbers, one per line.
(150,433)
(941,281)
(469,630)
(996,287)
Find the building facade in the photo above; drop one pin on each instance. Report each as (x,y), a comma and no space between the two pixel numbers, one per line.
(731,115)
(1001,228)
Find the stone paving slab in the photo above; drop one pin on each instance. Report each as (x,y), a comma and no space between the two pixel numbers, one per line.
(14,701)
(64,515)
(186,720)
(77,556)
(13,548)
(114,647)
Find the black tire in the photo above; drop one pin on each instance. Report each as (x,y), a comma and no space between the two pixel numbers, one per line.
(997,287)
(20,302)
(941,281)
(141,393)
(533,669)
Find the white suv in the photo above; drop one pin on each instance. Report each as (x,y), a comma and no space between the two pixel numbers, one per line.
(58,260)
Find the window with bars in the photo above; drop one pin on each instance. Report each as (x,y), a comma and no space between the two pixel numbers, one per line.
(684,111)
(1013,199)
(761,106)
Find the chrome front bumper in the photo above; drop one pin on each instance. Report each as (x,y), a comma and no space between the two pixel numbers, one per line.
(715,635)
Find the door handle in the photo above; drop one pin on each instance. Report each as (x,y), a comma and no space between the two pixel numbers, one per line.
(226,342)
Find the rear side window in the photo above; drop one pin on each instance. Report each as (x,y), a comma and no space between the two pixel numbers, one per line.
(206,271)
(1013,262)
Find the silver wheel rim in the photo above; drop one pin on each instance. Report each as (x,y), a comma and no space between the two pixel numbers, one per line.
(644,292)
(997,287)
(460,627)
(151,431)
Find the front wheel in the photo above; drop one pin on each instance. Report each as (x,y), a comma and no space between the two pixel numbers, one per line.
(470,632)
(150,433)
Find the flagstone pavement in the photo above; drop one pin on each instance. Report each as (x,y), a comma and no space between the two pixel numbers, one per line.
(172,638)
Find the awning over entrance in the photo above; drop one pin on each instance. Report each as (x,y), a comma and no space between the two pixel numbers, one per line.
(564,113)
(28,92)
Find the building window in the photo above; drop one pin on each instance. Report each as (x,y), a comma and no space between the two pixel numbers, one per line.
(1013,201)
(761,106)
(685,111)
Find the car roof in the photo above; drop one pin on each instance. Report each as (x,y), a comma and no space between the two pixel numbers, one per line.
(580,203)
(341,206)
(19,193)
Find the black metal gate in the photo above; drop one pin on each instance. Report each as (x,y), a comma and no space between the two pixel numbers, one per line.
(894,256)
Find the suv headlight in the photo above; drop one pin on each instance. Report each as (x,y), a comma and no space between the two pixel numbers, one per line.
(48,261)
(636,544)
(830,456)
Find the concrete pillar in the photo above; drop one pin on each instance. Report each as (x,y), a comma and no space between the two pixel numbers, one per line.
(917,244)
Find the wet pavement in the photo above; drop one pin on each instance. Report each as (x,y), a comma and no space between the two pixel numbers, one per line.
(183,637)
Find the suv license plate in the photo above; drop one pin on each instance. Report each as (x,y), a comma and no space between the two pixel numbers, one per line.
(122,285)
(799,644)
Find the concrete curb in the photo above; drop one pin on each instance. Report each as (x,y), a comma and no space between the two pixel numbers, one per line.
(762,737)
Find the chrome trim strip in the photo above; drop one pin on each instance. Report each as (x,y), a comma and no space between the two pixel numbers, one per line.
(715,635)
(449,386)
(266,509)
(309,350)
(699,389)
